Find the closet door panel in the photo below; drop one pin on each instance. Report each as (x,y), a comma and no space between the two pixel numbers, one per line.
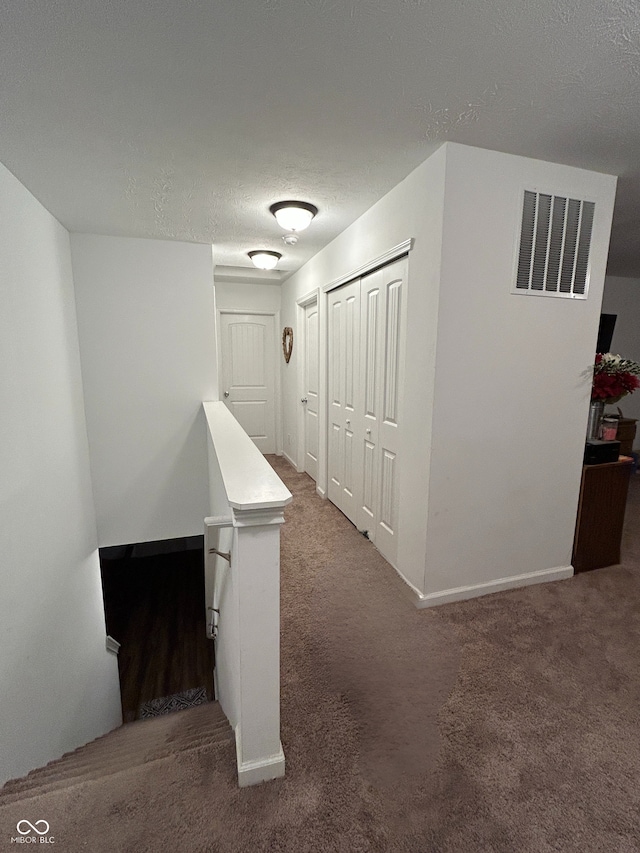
(389,444)
(336,396)
(371,348)
(369,482)
(344,464)
(388,492)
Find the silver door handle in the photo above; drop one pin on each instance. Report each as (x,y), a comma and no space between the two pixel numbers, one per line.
(368,432)
(348,422)
(303,400)
(226,393)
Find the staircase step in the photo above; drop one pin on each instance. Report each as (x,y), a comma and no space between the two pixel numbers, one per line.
(112,761)
(95,776)
(131,745)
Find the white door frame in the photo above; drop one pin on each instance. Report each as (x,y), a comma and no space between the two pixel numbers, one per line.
(301,303)
(276,361)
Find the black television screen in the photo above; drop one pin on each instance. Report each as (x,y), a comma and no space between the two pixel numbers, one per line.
(605,332)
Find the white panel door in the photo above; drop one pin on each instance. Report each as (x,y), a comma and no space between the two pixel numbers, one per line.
(310,391)
(247,352)
(343,421)
(371,350)
(392,283)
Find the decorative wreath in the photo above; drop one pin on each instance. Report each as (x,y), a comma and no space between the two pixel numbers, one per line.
(287,343)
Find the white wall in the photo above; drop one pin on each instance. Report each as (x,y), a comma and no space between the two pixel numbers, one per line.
(247,297)
(511,397)
(59,684)
(480,504)
(412,209)
(146,323)
(622,297)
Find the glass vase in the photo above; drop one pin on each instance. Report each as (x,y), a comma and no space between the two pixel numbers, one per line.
(596,412)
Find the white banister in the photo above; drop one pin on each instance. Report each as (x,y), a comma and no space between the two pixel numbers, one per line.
(242,571)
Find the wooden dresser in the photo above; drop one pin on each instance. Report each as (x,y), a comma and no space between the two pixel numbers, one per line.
(603,499)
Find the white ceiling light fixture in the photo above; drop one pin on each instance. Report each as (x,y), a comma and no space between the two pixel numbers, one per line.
(263,259)
(293,215)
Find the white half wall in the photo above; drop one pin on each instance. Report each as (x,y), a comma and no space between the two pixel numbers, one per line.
(622,297)
(512,384)
(146,321)
(59,684)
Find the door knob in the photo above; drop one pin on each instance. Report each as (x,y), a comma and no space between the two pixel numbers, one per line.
(226,393)
(368,432)
(303,400)
(348,422)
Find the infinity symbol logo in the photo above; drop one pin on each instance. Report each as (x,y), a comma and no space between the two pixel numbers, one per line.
(32,827)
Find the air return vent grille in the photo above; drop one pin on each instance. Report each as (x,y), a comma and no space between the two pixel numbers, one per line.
(555,237)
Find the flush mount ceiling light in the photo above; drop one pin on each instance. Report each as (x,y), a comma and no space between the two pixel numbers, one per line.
(264,259)
(293,215)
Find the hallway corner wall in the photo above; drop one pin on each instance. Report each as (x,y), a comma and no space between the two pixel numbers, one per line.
(59,684)
(146,322)
(512,383)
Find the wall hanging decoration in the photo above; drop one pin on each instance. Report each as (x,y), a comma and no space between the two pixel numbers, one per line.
(287,342)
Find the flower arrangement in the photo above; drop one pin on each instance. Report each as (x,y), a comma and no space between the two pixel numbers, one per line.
(613,378)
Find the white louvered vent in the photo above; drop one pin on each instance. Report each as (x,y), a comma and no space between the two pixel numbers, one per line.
(555,238)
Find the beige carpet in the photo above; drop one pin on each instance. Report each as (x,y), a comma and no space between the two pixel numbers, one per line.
(507,724)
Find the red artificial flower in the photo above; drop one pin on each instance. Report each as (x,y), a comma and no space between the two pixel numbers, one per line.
(609,386)
(614,377)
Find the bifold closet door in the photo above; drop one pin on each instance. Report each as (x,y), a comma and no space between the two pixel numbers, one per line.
(381,382)
(364,348)
(343,421)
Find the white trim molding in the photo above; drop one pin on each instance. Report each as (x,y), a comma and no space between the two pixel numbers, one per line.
(291,462)
(432,599)
(254,772)
(308,298)
(113,646)
(385,258)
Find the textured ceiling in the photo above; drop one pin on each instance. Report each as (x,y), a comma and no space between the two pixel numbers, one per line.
(185,120)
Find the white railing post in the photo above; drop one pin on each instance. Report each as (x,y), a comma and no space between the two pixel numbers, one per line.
(244,592)
(256,549)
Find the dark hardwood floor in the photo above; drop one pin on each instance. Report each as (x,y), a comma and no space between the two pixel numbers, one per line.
(155,609)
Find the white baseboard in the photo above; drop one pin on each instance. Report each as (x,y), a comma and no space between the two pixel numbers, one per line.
(413,591)
(290,460)
(113,646)
(322,493)
(254,772)
(461,593)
